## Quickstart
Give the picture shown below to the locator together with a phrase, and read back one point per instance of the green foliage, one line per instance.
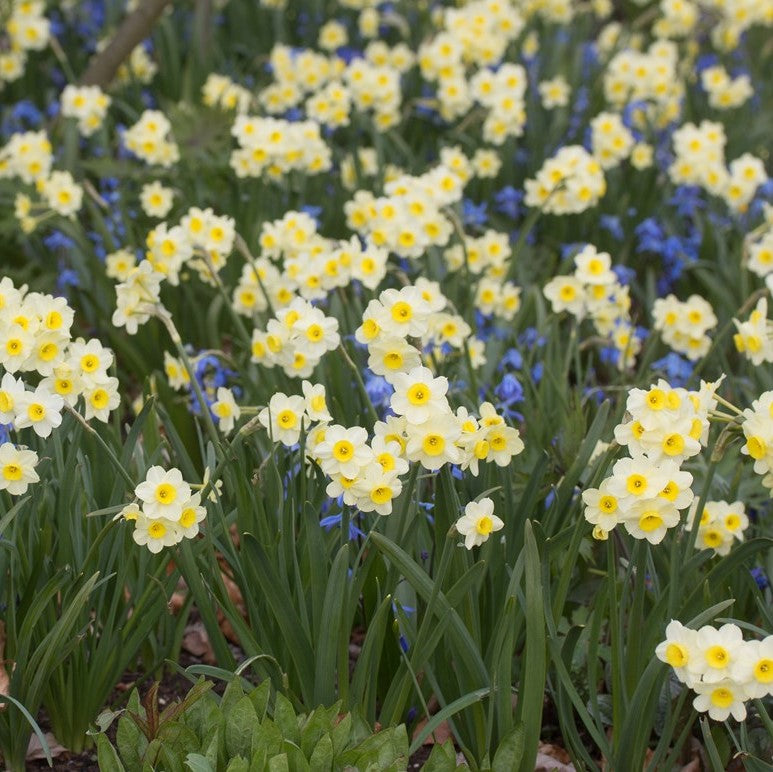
(249, 728)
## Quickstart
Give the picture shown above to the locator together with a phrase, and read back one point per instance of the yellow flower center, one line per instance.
(287, 419)
(188, 517)
(484, 525)
(433, 444)
(763, 671)
(650, 521)
(343, 450)
(419, 394)
(6, 402)
(402, 312)
(156, 530)
(381, 494)
(608, 504)
(100, 398)
(722, 697)
(12, 472)
(89, 363)
(756, 447)
(717, 657)
(393, 360)
(62, 386)
(166, 493)
(732, 521)
(53, 320)
(656, 399)
(315, 333)
(676, 655)
(318, 402)
(36, 412)
(673, 445)
(636, 484)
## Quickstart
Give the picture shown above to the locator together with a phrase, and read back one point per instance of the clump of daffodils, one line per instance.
(594, 292)
(684, 325)
(87, 104)
(478, 523)
(27, 155)
(721, 667)
(166, 510)
(754, 337)
(296, 339)
(646, 492)
(725, 92)
(150, 139)
(757, 429)
(568, 183)
(720, 524)
(220, 91)
(44, 369)
(275, 147)
(26, 29)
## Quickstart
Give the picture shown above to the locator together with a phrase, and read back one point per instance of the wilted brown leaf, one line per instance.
(196, 642)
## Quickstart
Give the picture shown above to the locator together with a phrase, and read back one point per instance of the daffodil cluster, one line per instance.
(87, 104)
(150, 139)
(684, 325)
(26, 29)
(568, 183)
(165, 511)
(275, 147)
(478, 523)
(720, 524)
(593, 291)
(646, 492)
(757, 429)
(754, 337)
(221, 91)
(723, 669)
(700, 160)
(296, 339)
(36, 347)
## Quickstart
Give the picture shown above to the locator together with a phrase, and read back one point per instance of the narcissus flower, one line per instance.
(163, 493)
(17, 469)
(478, 523)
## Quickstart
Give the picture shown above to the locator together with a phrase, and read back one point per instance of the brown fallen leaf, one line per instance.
(5, 680)
(35, 748)
(547, 763)
(440, 735)
(196, 642)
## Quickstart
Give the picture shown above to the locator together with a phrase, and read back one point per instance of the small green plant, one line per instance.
(248, 728)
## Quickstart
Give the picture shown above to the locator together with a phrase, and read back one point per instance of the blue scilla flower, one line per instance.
(511, 358)
(313, 211)
(537, 371)
(474, 215)
(379, 390)
(58, 240)
(509, 389)
(66, 278)
(507, 201)
(570, 248)
(530, 338)
(334, 521)
(760, 577)
(611, 223)
(676, 369)
(625, 275)
(687, 199)
(5, 433)
(26, 112)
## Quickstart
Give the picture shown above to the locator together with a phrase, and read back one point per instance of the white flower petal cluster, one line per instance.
(721, 667)
(684, 325)
(757, 428)
(87, 104)
(594, 292)
(754, 337)
(167, 511)
(150, 139)
(478, 523)
(220, 91)
(296, 339)
(721, 523)
(646, 492)
(568, 183)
